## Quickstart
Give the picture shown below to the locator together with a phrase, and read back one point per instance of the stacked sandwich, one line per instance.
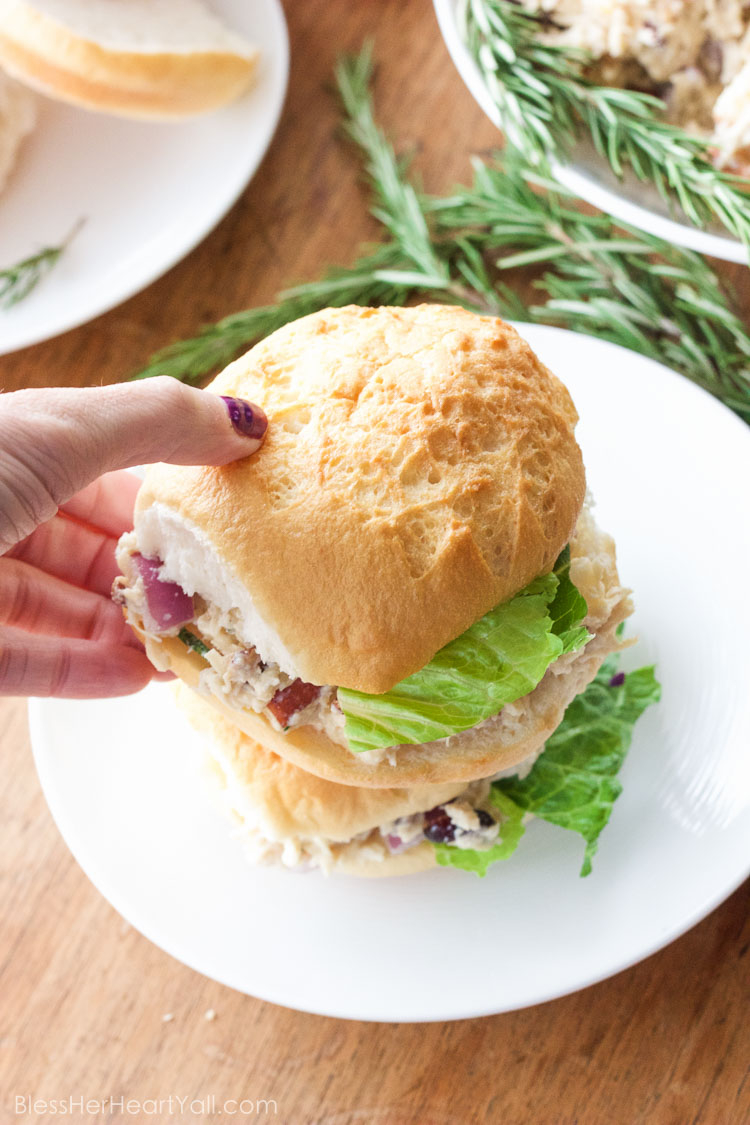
(150, 59)
(385, 615)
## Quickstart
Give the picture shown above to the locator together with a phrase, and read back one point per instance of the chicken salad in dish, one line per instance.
(693, 54)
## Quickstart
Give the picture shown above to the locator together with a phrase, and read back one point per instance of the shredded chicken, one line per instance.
(234, 671)
(695, 54)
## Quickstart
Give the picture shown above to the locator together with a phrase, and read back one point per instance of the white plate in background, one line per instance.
(589, 177)
(668, 466)
(148, 192)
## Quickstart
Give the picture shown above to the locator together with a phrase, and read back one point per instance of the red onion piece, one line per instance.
(167, 603)
(396, 845)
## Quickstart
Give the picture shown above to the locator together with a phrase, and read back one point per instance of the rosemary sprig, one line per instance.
(453, 274)
(606, 280)
(609, 281)
(17, 281)
(396, 204)
(370, 281)
(545, 103)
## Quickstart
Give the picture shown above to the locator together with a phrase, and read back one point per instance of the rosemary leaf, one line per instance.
(396, 204)
(17, 281)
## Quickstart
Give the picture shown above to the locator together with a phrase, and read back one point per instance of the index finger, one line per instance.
(106, 503)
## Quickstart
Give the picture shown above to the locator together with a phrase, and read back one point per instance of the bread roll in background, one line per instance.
(17, 119)
(158, 59)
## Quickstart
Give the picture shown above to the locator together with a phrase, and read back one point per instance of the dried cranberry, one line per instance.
(617, 680)
(486, 820)
(438, 826)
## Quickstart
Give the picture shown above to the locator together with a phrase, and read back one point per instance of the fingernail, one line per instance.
(248, 420)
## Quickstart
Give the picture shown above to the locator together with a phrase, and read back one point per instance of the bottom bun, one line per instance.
(291, 817)
(353, 860)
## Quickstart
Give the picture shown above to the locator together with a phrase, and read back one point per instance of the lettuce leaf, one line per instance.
(574, 782)
(470, 859)
(568, 608)
(500, 658)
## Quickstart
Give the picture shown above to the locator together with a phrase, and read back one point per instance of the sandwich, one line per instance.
(286, 816)
(159, 59)
(404, 587)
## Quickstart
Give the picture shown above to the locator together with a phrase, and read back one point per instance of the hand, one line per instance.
(60, 518)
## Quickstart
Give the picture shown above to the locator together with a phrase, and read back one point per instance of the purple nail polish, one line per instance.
(248, 420)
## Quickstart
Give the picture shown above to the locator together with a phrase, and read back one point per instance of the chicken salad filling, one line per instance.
(234, 670)
(499, 659)
(694, 54)
(468, 821)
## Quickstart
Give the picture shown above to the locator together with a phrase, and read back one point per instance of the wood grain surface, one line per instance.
(83, 995)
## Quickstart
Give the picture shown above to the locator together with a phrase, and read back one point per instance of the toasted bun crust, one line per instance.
(57, 54)
(500, 743)
(420, 467)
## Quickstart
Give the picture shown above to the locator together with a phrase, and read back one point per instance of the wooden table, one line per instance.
(83, 995)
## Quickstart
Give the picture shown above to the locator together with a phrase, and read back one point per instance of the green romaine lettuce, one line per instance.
(574, 782)
(500, 658)
(568, 608)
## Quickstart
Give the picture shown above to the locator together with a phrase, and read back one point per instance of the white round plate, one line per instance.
(589, 177)
(668, 466)
(147, 192)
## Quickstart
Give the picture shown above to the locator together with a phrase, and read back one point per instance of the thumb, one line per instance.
(54, 442)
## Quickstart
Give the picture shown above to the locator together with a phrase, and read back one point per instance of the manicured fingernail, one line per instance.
(248, 420)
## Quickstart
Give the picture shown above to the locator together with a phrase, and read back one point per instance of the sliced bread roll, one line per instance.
(17, 117)
(135, 58)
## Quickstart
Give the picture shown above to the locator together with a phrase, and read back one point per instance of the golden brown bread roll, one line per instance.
(420, 467)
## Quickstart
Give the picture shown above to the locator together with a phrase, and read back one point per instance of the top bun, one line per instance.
(420, 468)
(136, 58)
